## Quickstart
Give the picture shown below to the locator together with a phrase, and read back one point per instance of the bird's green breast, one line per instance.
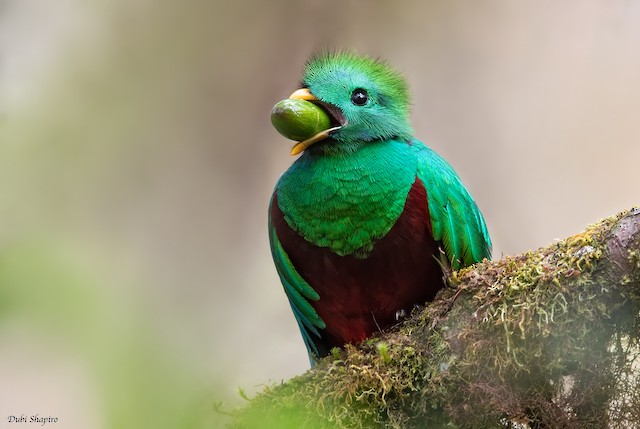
(346, 201)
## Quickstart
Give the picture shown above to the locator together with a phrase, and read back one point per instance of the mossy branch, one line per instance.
(546, 339)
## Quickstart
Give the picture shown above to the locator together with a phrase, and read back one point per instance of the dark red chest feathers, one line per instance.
(360, 296)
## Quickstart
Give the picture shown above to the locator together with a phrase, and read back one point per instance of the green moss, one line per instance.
(383, 349)
(530, 339)
(634, 258)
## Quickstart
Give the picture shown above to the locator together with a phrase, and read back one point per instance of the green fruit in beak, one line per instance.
(299, 119)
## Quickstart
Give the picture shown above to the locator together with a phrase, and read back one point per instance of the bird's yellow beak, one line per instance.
(305, 94)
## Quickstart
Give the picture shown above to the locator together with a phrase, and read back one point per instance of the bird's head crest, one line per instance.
(367, 99)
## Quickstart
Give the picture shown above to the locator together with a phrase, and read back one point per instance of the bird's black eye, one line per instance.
(359, 97)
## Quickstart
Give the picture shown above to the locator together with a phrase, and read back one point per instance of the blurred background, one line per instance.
(137, 160)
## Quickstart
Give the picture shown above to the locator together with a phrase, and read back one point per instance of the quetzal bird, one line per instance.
(359, 224)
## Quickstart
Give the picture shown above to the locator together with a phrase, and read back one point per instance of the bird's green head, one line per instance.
(366, 99)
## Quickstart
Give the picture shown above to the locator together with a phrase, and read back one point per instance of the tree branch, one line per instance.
(543, 339)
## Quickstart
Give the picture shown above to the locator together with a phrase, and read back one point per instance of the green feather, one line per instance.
(298, 291)
(456, 220)
(348, 201)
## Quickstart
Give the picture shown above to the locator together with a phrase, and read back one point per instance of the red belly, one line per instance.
(361, 296)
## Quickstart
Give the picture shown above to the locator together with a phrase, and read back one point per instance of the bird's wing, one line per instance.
(298, 291)
(455, 218)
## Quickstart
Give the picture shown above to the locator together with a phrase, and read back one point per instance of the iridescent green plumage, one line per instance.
(356, 222)
(455, 217)
(328, 75)
(348, 202)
